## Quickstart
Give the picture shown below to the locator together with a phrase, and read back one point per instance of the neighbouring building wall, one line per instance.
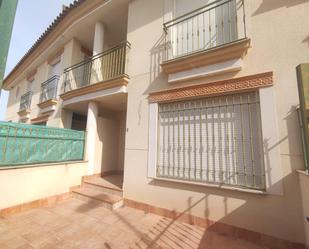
(22, 185)
(304, 186)
(268, 22)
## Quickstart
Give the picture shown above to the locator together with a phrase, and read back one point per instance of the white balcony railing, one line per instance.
(49, 89)
(218, 23)
(25, 101)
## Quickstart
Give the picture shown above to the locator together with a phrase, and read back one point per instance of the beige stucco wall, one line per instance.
(111, 139)
(24, 185)
(279, 44)
(121, 140)
(304, 186)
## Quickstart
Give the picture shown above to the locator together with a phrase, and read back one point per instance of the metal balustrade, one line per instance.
(49, 89)
(25, 101)
(105, 66)
(212, 140)
(218, 23)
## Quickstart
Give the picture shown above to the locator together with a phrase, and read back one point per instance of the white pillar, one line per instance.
(98, 41)
(98, 45)
(92, 131)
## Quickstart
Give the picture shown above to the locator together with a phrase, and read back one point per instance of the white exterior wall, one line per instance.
(38, 182)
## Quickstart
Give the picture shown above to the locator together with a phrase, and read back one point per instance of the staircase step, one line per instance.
(103, 186)
(99, 197)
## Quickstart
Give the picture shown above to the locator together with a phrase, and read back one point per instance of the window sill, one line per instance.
(218, 186)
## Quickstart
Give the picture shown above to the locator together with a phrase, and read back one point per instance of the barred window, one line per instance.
(212, 140)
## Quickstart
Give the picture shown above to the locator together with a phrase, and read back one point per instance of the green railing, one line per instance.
(22, 144)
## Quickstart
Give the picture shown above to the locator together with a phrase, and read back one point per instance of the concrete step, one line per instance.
(102, 185)
(97, 196)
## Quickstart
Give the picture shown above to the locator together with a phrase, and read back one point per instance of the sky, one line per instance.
(31, 20)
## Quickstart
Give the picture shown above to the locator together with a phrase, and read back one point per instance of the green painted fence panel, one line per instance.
(22, 144)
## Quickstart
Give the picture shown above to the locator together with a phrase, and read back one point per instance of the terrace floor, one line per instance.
(79, 224)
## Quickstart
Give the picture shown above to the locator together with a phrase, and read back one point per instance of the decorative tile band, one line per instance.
(214, 88)
(218, 227)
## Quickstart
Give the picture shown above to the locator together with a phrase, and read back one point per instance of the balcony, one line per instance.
(212, 34)
(100, 72)
(25, 105)
(48, 96)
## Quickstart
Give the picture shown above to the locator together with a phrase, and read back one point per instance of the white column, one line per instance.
(98, 45)
(98, 41)
(92, 131)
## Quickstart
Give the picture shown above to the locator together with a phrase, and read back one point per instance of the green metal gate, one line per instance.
(22, 144)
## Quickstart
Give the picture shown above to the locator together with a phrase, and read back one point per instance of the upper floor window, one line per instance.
(54, 68)
(30, 85)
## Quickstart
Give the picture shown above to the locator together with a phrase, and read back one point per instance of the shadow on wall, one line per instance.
(236, 208)
(258, 207)
(269, 5)
(306, 40)
(158, 79)
(157, 56)
(172, 233)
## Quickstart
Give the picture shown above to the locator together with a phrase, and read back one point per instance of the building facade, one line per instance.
(194, 102)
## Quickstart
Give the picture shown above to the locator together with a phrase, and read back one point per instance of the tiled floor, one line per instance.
(78, 224)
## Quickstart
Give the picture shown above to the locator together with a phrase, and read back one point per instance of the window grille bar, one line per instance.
(213, 143)
(207, 148)
(259, 139)
(201, 144)
(212, 140)
(251, 142)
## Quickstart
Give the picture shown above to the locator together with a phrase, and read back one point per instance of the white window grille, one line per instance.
(212, 140)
